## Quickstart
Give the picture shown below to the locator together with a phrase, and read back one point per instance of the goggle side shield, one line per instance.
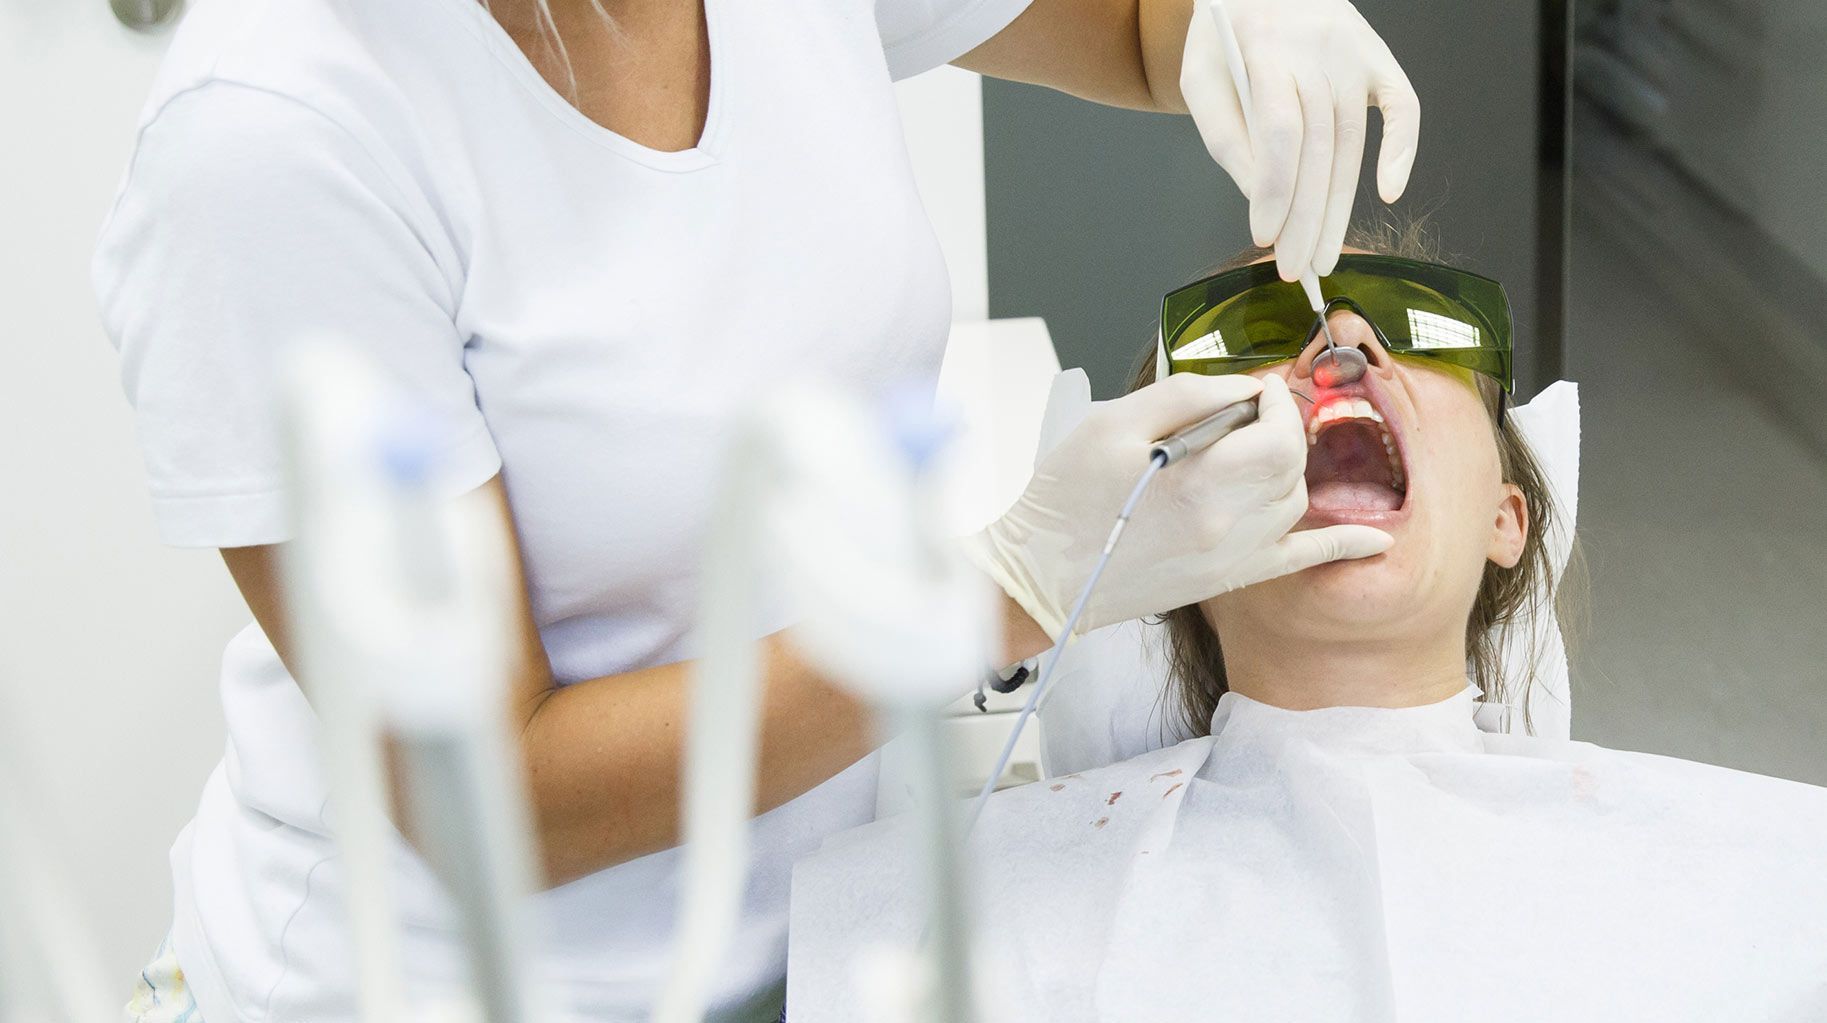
(1249, 317)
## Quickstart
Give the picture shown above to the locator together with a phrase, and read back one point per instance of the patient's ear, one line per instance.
(1510, 529)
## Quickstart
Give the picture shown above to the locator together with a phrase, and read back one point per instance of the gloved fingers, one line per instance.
(1282, 457)
(1211, 97)
(1349, 117)
(1275, 409)
(1295, 491)
(1227, 532)
(1285, 511)
(1313, 180)
(1181, 400)
(1311, 547)
(1297, 552)
(1275, 140)
(1248, 550)
(1395, 97)
(1268, 455)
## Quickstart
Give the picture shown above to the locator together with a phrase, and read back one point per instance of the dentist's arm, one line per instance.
(1314, 66)
(603, 756)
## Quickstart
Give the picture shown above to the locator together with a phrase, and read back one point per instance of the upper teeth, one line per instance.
(1342, 408)
(1356, 408)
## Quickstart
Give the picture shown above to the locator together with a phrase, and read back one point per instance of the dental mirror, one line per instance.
(1336, 367)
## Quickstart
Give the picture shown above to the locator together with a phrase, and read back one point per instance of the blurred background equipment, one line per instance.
(146, 15)
(846, 507)
(400, 610)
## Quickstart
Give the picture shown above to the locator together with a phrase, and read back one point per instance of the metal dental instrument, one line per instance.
(1204, 433)
(1335, 366)
(1210, 430)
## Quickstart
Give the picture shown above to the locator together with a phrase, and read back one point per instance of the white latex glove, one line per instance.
(1314, 69)
(1214, 522)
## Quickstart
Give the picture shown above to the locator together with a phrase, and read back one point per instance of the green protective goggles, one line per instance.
(1242, 319)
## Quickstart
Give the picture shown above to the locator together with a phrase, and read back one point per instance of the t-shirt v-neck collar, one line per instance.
(475, 18)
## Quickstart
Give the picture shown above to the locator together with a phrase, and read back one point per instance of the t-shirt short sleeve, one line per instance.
(919, 35)
(250, 222)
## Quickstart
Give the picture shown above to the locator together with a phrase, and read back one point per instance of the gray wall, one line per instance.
(1094, 213)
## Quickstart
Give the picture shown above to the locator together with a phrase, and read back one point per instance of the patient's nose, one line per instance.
(1350, 331)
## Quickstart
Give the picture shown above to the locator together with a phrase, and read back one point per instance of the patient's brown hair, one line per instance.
(1195, 656)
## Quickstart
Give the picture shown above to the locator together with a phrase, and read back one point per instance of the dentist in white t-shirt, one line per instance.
(582, 236)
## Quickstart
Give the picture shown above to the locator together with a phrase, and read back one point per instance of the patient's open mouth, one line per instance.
(1353, 460)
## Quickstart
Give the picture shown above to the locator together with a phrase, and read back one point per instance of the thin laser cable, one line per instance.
(1045, 677)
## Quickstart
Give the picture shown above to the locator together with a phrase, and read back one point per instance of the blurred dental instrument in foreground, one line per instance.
(1295, 143)
(838, 502)
(398, 608)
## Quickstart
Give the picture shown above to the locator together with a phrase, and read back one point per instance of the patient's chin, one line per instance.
(1369, 589)
(1358, 595)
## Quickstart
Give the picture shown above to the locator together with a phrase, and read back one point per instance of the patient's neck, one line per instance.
(1303, 672)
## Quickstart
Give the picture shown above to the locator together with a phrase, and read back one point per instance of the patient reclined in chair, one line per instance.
(1338, 839)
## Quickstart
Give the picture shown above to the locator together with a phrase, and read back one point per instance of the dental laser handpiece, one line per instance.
(1204, 433)
(1210, 430)
(1189, 441)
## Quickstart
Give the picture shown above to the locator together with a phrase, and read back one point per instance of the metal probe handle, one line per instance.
(1204, 433)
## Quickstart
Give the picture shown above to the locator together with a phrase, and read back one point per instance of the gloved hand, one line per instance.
(1314, 68)
(1214, 522)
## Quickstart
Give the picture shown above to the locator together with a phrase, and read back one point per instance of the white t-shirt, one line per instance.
(581, 313)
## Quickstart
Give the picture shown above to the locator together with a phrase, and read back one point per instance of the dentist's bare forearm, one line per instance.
(1122, 53)
(603, 757)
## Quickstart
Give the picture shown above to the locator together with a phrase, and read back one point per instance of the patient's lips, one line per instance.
(1355, 469)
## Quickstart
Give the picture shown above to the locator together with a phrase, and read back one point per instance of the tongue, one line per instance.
(1348, 469)
(1353, 497)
